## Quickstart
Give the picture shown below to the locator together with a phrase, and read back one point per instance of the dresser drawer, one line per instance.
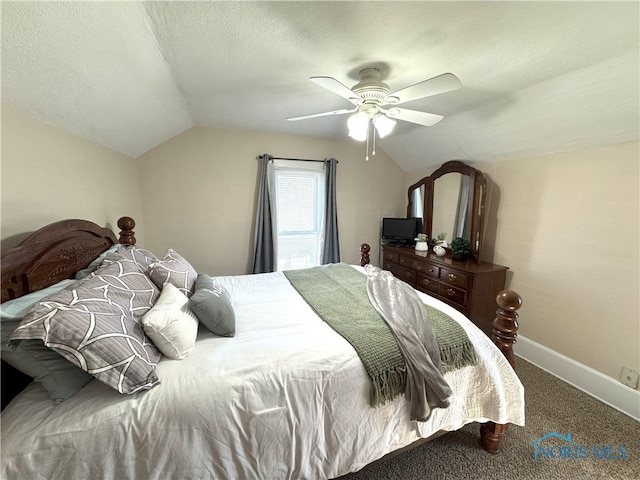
(431, 270)
(453, 294)
(427, 284)
(405, 261)
(403, 273)
(413, 264)
(454, 278)
(391, 257)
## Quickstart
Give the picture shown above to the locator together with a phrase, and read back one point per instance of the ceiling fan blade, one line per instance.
(338, 88)
(413, 116)
(323, 114)
(440, 84)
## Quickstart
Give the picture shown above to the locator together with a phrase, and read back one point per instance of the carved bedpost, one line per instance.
(505, 325)
(364, 254)
(127, 235)
(505, 331)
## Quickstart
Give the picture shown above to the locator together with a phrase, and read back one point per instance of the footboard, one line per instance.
(505, 328)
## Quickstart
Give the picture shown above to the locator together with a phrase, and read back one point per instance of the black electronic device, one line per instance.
(401, 231)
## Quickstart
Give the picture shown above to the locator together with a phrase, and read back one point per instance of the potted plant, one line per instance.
(442, 239)
(421, 242)
(460, 248)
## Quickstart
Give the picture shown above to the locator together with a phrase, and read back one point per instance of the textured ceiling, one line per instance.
(537, 77)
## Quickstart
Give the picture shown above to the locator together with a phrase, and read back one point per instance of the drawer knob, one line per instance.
(452, 277)
(431, 270)
(407, 274)
(425, 281)
(451, 292)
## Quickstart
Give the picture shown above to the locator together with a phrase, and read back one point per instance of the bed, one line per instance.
(285, 397)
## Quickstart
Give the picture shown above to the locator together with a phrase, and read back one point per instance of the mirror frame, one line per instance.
(475, 206)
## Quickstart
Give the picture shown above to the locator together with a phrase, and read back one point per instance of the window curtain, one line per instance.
(331, 242)
(266, 244)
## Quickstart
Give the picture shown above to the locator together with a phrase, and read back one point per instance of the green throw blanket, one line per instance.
(338, 294)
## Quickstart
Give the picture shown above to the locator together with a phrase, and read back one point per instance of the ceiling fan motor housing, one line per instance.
(370, 88)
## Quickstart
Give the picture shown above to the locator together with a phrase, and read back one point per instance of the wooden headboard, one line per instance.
(57, 252)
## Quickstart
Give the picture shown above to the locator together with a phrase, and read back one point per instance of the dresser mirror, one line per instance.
(451, 201)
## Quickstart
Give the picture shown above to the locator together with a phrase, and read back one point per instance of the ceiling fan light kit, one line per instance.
(370, 94)
(358, 125)
(384, 125)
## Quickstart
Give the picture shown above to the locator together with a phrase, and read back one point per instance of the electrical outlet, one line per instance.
(629, 377)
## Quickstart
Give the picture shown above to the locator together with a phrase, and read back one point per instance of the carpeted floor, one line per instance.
(551, 406)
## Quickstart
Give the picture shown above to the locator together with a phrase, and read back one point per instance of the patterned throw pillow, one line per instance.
(142, 257)
(175, 270)
(212, 305)
(96, 325)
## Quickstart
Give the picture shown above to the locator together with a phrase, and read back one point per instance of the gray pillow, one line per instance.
(212, 305)
(176, 270)
(59, 377)
(96, 325)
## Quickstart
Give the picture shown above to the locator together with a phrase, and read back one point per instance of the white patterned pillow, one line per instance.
(96, 325)
(176, 270)
(171, 324)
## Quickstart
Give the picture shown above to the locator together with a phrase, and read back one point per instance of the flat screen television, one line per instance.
(401, 231)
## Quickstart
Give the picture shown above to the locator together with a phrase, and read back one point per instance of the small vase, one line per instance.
(422, 246)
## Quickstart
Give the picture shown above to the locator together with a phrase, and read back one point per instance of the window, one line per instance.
(300, 197)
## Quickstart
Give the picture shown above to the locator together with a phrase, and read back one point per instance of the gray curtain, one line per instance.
(331, 246)
(265, 256)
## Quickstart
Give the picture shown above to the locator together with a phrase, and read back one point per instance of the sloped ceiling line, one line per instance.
(537, 77)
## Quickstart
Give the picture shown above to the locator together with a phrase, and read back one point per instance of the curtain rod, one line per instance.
(293, 159)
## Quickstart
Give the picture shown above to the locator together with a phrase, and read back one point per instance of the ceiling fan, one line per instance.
(370, 95)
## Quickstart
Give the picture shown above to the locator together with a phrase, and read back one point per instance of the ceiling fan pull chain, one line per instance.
(366, 158)
(373, 150)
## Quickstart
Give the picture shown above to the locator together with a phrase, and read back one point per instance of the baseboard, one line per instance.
(596, 384)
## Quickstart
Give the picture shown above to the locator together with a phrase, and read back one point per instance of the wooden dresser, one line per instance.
(467, 286)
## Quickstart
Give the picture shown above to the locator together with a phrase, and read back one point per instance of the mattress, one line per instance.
(286, 398)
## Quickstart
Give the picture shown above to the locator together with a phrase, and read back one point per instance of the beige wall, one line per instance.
(199, 193)
(567, 225)
(49, 174)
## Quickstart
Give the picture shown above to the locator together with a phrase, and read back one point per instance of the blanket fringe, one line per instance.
(457, 356)
(387, 384)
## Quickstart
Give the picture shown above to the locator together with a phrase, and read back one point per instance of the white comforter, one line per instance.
(287, 397)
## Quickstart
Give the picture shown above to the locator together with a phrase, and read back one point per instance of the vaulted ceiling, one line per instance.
(537, 77)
